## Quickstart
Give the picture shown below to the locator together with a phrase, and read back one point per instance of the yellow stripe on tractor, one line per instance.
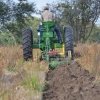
(60, 51)
(36, 54)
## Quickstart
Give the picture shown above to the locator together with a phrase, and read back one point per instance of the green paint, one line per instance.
(54, 64)
(48, 41)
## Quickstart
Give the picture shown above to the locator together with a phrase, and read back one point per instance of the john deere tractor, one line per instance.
(47, 46)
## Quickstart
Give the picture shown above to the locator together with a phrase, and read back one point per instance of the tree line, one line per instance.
(80, 14)
(13, 17)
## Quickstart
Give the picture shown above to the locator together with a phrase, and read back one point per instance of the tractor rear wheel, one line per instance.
(69, 42)
(27, 41)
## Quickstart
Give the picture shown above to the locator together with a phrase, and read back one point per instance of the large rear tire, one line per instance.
(27, 41)
(69, 42)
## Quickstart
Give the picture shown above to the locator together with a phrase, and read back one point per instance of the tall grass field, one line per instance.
(20, 80)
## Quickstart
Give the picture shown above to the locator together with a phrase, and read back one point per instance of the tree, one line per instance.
(11, 11)
(15, 32)
(95, 35)
(7, 39)
(80, 14)
(13, 16)
(4, 12)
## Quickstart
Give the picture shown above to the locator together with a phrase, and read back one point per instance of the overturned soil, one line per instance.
(71, 82)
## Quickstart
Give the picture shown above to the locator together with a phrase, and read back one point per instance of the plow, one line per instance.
(47, 47)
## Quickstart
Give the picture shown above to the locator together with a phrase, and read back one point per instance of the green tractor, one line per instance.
(48, 47)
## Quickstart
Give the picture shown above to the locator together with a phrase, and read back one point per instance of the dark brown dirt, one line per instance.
(71, 82)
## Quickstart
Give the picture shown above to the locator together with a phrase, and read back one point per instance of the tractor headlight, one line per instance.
(39, 33)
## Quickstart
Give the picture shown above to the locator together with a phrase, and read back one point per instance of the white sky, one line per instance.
(41, 3)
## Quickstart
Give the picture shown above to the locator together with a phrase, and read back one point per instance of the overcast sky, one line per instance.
(41, 3)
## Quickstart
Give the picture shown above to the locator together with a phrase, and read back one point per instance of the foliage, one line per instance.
(11, 11)
(80, 14)
(7, 39)
(13, 18)
(15, 35)
(16, 30)
(95, 35)
(4, 12)
(32, 82)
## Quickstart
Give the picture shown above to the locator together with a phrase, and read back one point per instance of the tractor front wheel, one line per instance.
(69, 42)
(27, 41)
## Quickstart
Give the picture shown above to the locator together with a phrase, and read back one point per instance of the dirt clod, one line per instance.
(71, 82)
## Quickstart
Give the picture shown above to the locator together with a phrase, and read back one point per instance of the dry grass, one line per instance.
(89, 57)
(20, 80)
(10, 56)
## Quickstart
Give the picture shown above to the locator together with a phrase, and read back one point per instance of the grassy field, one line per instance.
(21, 80)
(88, 55)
